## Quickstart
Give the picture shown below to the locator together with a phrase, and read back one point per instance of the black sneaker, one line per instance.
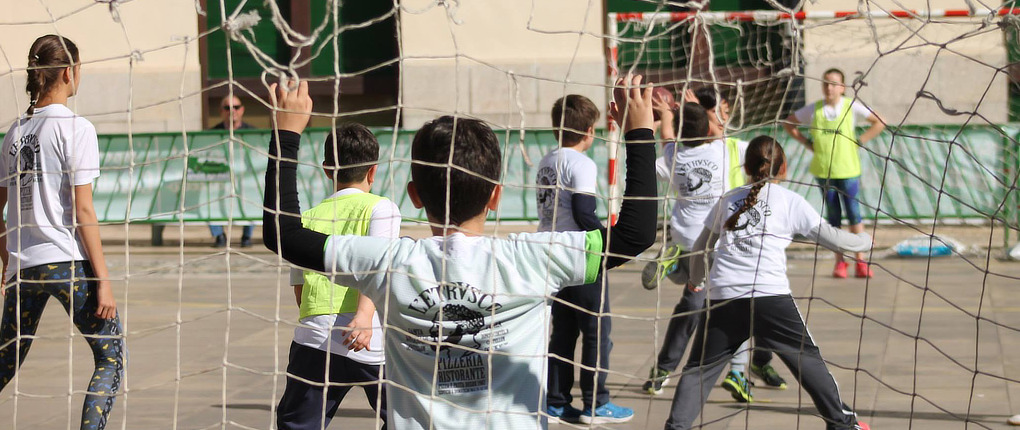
(657, 378)
(221, 241)
(245, 242)
(769, 376)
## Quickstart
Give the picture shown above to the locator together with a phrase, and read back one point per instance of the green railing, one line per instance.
(912, 173)
(166, 177)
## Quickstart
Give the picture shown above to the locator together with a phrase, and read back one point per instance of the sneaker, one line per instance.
(861, 425)
(657, 378)
(245, 242)
(655, 271)
(567, 414)
(736, 384)
(863, 270)
(769, 376)
(607, 414)
(840, 270)
(221, 241)
(1014, 420)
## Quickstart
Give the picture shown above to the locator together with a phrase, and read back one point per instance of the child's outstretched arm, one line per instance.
(839, 240)
(636, 228)
(282, 208)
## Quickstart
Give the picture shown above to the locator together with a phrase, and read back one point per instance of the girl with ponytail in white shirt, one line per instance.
(749, 292)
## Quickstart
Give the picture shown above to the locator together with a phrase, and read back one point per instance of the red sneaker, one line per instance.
(861, 425)
(863, 270)
(840, 270)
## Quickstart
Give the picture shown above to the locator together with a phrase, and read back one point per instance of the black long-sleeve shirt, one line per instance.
(633, 233)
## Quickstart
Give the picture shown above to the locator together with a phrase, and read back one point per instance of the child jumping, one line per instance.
(336, 320)
(50, 243)
(464, 311)
(702, 171)
(748, 288)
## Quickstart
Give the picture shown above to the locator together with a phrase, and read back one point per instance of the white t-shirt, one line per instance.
(700, 178)
(486, 300)
(561, 173)
(751, 259)
(806, 113)
(44, 158)
(317, 331)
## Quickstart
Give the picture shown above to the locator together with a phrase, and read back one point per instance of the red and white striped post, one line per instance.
(613, 135)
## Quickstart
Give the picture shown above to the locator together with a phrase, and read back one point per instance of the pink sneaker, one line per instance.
(861, 425)
(863, 270)
(840, 270)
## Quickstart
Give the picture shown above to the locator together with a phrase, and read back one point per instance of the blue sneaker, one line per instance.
(567, 414)
(607, 414)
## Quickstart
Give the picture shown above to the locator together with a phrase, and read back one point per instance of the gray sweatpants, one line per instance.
(776, 325)
(687, 314)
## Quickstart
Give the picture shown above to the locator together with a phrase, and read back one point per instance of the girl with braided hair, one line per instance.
(749, 293)
(50, 244)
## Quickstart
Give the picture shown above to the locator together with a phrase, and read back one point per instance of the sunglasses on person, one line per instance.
(233, 107)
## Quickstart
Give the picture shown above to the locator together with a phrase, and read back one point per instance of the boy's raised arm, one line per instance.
(636, 228)
(282, 209)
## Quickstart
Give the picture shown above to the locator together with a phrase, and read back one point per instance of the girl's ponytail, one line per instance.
(47, 59)
(764, 160)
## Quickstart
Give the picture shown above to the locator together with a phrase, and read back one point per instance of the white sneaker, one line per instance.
(1014, 420)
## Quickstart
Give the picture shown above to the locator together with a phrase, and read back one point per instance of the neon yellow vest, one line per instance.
(350, 215)
(835, 144)
(736, 170)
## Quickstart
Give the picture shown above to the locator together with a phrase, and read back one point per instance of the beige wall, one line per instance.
(159, 88)
(962, 76)
(505, 62)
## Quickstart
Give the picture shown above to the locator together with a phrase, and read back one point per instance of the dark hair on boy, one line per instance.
(693, 125)
(47, 59)
(350, 150)
(572, 116)
(764, 160)
(468, 178)
(706, 97)
(842, 77)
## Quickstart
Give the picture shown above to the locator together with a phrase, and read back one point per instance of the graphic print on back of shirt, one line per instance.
(458, 334)
(546, 192)
(749, 225)
(695, 180)
(27, 167)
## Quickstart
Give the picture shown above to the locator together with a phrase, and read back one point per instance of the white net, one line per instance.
(924, 343)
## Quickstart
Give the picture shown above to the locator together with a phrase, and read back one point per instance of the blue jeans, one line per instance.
(567, 324)
(836, 191)
(217, 230)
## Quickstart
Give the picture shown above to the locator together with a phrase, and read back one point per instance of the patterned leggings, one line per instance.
(78, 297)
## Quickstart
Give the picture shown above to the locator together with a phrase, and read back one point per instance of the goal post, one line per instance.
(930, 73)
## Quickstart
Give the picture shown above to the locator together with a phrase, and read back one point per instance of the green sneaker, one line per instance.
(769, 376)
(737, 384)
(655, 271)
(657, 378)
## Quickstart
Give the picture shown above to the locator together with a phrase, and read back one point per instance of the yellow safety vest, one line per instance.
(736, 175)
(349, 215)
(835, 144)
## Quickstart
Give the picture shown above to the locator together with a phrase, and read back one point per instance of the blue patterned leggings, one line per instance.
(78, 297)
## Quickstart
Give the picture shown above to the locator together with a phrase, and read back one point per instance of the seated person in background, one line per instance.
(232, 113)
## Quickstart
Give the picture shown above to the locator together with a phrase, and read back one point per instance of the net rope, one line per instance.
(954, 172)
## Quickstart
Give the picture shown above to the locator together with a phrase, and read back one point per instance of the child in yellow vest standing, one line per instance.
(340, 339)
(836, 164)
